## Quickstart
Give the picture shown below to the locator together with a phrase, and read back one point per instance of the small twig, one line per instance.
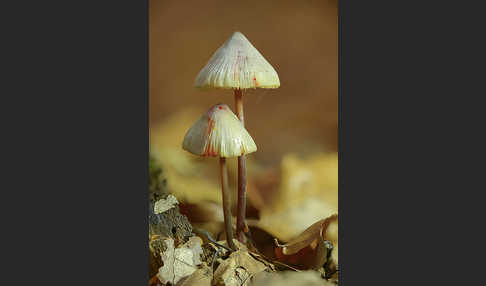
(212, 240)
(249, 239)
(220, 245)
(275, 261)
(216, 254)
(285, 265)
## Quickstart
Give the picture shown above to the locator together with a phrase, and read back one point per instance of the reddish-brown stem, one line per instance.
(226, 203)
(241, 211)
(239, 105)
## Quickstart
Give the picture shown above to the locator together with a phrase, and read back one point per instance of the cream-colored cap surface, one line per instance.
(237, 64)
(218, 133)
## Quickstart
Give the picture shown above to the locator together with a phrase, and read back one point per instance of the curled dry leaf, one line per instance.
(180, 262)
(309, 236)
(308, 250)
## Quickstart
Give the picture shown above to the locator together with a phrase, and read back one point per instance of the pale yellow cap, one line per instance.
(218, 133)
(237, 64)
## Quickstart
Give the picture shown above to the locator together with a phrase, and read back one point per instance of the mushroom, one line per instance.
(219, 133)
(238, 65)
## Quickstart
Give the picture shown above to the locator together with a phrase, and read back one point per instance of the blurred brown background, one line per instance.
(300, 40)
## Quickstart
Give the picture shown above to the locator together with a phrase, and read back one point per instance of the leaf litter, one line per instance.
(180, 262)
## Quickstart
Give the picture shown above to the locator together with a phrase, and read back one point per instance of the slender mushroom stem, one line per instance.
(241, 211)
(226, 203)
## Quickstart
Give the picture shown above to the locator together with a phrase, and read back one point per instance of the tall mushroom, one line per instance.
(219, 133)
(238, 65)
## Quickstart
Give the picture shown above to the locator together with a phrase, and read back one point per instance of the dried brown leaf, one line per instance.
(166, 204)
(238, 269)
(179, 262)
(309, 236)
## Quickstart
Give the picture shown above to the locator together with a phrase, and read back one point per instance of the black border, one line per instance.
(75, 177)
(407, 143)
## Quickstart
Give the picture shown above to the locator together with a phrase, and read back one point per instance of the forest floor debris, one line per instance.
(293, 229)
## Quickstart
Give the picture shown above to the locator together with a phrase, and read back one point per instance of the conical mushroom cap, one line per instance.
(218, 133)
(237, 64)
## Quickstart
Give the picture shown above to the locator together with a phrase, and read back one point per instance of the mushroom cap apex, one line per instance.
(237, 64)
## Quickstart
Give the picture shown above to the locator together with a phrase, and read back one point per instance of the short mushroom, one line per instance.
(238, 65)
(219, 133)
